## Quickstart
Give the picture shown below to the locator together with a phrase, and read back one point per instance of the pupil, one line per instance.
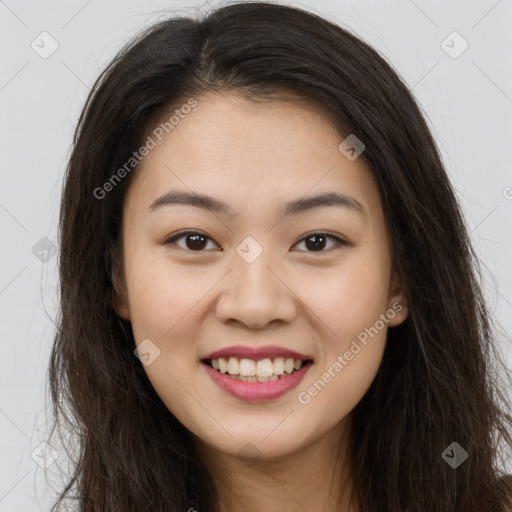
(317, 244)
(196, 246)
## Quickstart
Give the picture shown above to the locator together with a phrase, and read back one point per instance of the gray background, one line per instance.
(467, 101)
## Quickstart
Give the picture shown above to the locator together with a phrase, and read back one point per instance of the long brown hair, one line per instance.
(441, 380)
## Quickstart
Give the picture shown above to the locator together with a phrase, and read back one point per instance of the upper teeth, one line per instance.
(262, 368)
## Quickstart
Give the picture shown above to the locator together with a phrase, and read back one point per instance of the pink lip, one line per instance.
(257, 391)
(242, 351)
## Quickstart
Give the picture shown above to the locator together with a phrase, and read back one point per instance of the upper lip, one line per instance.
(245, 352)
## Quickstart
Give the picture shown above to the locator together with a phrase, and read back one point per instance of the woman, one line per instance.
(269, 299)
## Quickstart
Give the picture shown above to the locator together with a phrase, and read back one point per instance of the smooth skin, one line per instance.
(312, 298)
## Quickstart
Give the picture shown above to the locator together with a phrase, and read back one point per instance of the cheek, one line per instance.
(352, 315)
(163, 299)
(349, 297)
(161, 295)
(165, 303)
(353, 342)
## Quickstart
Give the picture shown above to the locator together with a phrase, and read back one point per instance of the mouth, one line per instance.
(261, 370)
(256, 380)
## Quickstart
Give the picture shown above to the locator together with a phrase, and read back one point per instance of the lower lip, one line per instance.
(257, 391)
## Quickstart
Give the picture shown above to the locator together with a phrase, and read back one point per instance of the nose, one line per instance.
(256, 294)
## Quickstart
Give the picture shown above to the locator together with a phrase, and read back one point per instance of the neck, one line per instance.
(315, 477)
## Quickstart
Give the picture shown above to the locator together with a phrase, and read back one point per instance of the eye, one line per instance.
(197, 241)
(317, 241)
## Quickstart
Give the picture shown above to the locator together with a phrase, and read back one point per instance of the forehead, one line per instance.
(251, 154)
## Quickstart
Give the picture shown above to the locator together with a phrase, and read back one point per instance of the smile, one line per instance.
(249, 370)
(256, 380)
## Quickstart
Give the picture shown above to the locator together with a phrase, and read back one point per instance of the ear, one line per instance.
(119, 293)
(398, 304)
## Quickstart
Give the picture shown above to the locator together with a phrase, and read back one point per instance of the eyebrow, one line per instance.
(295, 207)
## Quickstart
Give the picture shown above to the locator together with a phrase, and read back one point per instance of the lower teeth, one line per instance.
(257, 379)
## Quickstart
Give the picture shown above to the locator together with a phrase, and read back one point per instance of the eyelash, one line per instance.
(182, 234)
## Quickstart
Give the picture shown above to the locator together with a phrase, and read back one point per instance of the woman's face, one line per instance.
(259, 274)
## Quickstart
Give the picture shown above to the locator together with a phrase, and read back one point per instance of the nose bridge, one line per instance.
(256, 294)
(251, 271)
